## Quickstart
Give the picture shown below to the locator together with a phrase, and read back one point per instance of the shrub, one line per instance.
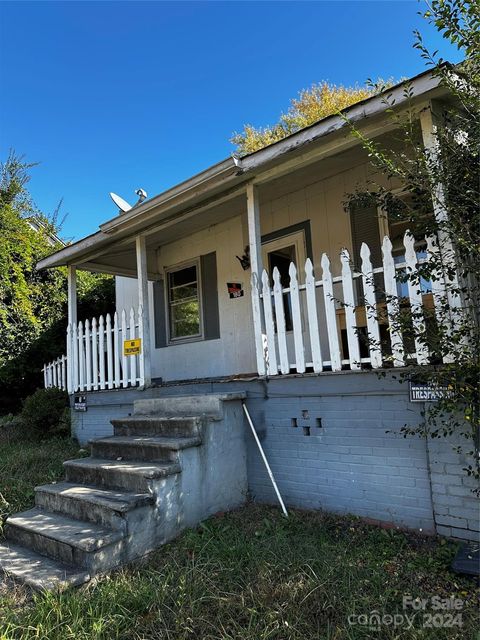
(11, 428)
(46, 412)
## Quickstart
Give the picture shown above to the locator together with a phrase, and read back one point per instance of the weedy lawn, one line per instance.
(24, 464)
(253, 575)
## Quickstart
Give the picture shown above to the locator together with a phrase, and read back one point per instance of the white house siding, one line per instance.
(320, 202)
(234, 351)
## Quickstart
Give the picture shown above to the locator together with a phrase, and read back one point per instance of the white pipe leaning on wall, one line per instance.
(262, 453)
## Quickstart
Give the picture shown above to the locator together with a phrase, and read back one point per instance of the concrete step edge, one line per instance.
(37, 571)
(156, 469)
(158, 442)
(86, 536)
(149, 417)
(98, 496)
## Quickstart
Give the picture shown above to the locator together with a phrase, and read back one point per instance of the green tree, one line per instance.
(313, 104)
(444, 178)
(33, 303)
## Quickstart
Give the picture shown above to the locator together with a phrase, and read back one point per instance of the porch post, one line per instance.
(255, 240)
(72, 320)
(143, 302)
(430, 142)
(428, 126)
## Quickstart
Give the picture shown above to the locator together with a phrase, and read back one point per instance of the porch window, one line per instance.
(184, 302)
(397, 226)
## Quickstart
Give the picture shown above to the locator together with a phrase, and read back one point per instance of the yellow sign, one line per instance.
(132, 347)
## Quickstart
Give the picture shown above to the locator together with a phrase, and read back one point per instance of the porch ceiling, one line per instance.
(119, 258)
(118, 255)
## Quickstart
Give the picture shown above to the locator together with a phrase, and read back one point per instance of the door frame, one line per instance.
(286, 231)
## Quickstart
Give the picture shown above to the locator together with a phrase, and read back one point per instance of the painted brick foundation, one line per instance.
(332, 441)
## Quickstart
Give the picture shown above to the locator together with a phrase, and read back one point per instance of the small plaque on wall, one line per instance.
(80, 402)
(235, 289)
(428, 392)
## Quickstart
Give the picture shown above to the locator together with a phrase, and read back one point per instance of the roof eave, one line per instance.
(228, 170)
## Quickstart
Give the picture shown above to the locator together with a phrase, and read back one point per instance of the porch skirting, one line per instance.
(333, 443)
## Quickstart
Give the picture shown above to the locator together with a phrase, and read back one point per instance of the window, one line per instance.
(396, 231)
(368, 226)
(365, 227)
(184, 303)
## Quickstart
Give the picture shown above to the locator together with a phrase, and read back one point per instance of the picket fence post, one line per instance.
(330, 315)
(373, 330)
(312, 314)
(297, 320)
(393, 308)
(349, 306)
(272, 367)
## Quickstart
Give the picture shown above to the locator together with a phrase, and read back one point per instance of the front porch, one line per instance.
(320, 322)
(318, 289)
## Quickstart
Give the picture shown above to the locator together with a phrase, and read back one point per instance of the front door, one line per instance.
(280, 253)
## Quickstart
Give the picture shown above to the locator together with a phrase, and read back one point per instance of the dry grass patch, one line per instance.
(252, 575)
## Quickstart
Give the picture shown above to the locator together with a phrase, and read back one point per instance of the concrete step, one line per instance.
(208, 405)
(75, 543)
(144, 425)
(106, 507)
(145, 448)
(37, 571)
(128, 475)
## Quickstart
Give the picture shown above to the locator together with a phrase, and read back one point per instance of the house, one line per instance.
(39, 225)
(249, 284)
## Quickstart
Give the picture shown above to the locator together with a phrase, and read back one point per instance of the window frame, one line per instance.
(195, 262)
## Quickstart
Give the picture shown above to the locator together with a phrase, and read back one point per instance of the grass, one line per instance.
(24, 464)
(252, 575)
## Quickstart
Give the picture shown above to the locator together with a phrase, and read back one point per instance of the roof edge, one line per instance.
(250, 163)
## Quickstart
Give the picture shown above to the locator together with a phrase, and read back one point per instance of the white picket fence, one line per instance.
(316, 306)
(55, 373)
(95, 355)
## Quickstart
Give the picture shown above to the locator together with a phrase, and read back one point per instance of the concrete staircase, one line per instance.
(174, 462)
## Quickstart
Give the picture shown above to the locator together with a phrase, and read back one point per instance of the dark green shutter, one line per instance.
(211, 320)
(159, 314)
(364, 225)
(365, 228)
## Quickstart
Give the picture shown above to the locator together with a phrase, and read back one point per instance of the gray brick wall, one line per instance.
(102, 406)
(455, 502)
(348, 463)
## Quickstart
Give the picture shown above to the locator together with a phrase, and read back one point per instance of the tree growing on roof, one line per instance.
(33, 303)
(319, 101)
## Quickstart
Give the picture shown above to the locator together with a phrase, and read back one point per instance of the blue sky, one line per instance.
(118, 95)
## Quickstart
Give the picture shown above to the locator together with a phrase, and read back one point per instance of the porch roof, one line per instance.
(197, 202)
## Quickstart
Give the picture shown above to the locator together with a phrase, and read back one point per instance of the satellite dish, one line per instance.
(121, 203)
